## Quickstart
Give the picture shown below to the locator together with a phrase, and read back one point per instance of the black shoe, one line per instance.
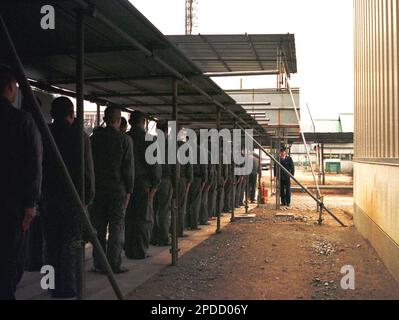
(120, 270)
(96, 270)
(183, 235)
(205, 224)
(196, 229)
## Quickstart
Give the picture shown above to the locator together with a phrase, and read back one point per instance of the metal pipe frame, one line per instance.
(219, 173)
(259, 178)
(175, 211)
(241, 73)
(233, 183)
(303, 135)
(150, 54)
(279, 165)
(49, 140)
(80, 45)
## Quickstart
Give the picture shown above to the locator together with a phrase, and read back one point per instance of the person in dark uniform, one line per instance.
(253, 179)
(204, 213)
(163, 198)
(285, 180)
(60, 217)
(228, 188)
(185, 180)
(239, 184)
(20, 181)
(140, 213)
(212, 193)
(200, 173)
(114, 170)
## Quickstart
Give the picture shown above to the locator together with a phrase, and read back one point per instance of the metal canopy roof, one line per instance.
(328, 137)
(235, 53)
(116, 72)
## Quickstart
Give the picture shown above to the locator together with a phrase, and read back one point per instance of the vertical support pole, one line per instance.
(219, 173)
(271, 169)
(323, 172)
(175, 211)
(80, 45)
(98, 117)
(321, 206)
(278, 174)
(233, 177)
(246, 194)
(259, 178)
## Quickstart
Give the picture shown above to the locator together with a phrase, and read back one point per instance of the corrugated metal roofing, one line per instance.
(116, 72)
(234, 52)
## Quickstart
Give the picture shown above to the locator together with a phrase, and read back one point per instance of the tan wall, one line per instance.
(376, 193)
(376, 167)
(376, 79)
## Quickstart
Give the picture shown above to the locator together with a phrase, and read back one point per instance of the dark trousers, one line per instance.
(162, 208)
(60, 251)
(212, 196)
(228, 196)
(139, 222)
(220, 197)
(182, 218)
(11, 250)
(107, 214)
(194, 202)
(239, 187)
(34, 246)
(203, 216)
(285, 192)
(252, 186)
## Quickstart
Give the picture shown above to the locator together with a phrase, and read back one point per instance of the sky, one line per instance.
(324, 42)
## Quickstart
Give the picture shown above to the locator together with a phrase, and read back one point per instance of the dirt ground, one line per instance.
(271, 257)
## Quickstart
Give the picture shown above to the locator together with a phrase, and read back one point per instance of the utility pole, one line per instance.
(190, 15)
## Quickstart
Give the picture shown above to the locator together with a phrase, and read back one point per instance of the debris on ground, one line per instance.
(323, 248)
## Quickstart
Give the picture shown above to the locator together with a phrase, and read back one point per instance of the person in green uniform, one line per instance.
(140, 213)
(114, 170)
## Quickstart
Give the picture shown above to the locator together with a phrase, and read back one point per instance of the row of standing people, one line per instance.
(120, 192)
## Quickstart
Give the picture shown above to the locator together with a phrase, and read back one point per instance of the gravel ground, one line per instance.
(269, 257)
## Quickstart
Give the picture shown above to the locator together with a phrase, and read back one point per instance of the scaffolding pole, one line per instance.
(49, 140)
(175, 210)
(303, 138)
(233, 183)
(80, 60)
(219, 173)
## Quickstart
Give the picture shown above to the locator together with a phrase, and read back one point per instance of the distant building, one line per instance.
(338, 156)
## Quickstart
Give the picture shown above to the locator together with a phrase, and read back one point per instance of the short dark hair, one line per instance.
(283, 149)
(123, 122)
(111, 114)
(7, 75)
(162, 125)
(61, 107)
(136, 117)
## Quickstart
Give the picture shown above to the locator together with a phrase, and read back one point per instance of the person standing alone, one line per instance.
(285, 180)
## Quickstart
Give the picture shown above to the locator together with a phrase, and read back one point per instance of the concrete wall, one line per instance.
(376, 193)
